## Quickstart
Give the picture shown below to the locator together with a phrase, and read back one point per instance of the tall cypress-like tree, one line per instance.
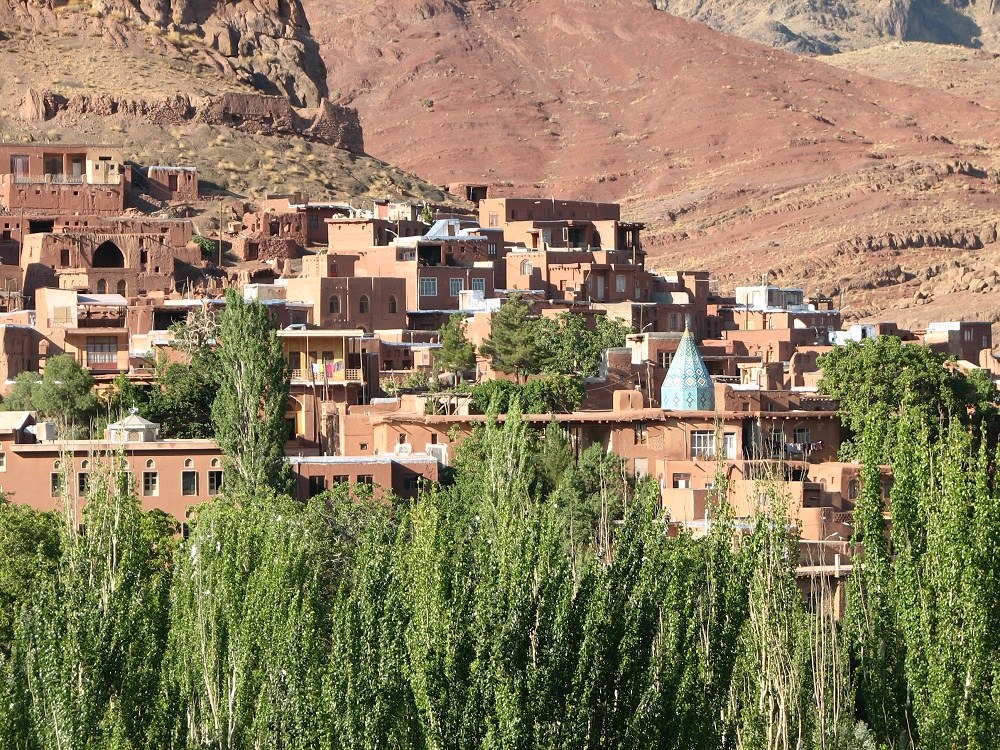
(249, 410)
(871, 620)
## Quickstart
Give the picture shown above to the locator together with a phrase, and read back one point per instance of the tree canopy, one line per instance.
(536, 600)
(524, 344)
(568, 347)
(64, 393)
(879, 378)
(539, 395)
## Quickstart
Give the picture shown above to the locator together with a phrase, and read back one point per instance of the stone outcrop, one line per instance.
(335, 123)
(259, 114)
(264, 43)
(961, 239)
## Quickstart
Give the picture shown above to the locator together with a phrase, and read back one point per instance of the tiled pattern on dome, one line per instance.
(687, 385)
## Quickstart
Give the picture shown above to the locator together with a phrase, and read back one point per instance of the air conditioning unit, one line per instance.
(438, 451)
(45, 432)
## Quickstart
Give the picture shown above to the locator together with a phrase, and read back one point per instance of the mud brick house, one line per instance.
(315, 214)
(54, 179)
(964, 340)
(437, 266)
(171, 184)
(327, 367)
(370, 303)
(354, 233)
(544, 223)
(19, 348)
(92, 328)
(123, 257)
(402, 472)
(38, 469)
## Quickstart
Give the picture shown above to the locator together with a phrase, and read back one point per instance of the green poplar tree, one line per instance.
(245, 657)
(88, 646)
(249, 409)
(871, 623)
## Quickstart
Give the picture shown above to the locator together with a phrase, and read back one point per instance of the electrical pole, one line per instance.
(221, 205)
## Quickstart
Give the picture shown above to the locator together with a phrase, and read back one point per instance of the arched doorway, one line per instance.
(107, 255)
(295, 418)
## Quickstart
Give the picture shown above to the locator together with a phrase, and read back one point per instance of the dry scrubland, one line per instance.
(242, 163)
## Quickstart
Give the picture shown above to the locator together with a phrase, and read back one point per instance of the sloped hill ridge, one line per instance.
(831, 26)
(740, 158)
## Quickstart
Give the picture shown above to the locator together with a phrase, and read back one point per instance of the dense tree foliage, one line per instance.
(541, 395)
(538, 599)
(63, 394)
(877, 379)
(513, 345)
(523, 344)
(568, 347)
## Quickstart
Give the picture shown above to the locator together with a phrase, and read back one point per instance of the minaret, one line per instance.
(687, 385)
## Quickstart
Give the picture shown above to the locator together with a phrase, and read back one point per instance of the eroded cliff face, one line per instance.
(830, 26)
(263, 43)
(255, 114)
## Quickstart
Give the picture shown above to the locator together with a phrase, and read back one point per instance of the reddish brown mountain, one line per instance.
(741, 157)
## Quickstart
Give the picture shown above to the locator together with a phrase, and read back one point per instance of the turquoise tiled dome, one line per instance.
(687, 385)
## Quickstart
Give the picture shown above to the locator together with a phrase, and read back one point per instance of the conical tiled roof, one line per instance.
(687, 385)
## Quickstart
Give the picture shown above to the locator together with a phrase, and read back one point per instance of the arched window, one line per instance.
(102, 286)
(123, 288)
(526, 268)
(150, 464)
(188, 463)
(364, 305)
(107, 255)
(392, 303)
(334, 306)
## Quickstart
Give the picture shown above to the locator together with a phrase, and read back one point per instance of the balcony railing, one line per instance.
(49, 179)
(109, 322)
(341, 376)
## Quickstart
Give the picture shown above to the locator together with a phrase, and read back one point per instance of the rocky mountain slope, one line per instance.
(234, 88)
(740, 158)
(265, 44)
(828, 26)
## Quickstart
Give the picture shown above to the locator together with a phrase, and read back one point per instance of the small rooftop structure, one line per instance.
(132, 429)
